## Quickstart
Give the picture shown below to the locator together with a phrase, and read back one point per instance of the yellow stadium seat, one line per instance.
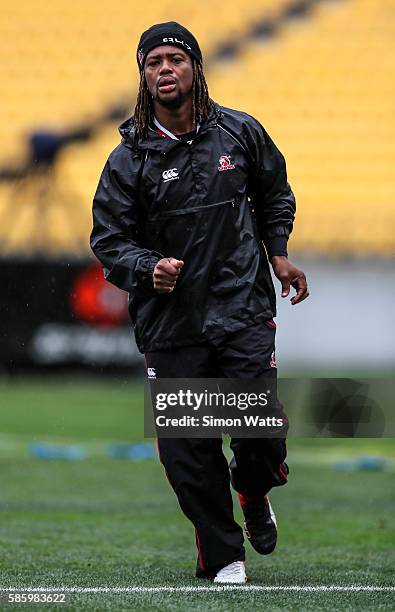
(323, 88)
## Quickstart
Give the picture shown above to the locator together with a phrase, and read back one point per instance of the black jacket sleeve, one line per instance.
(272, 197)
(116, 224)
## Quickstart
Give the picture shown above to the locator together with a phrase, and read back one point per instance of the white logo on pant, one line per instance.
(273, 360)
(151, 373)
(170, 175)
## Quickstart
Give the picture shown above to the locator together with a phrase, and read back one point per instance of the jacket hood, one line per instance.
(127, 130)
(152, 141)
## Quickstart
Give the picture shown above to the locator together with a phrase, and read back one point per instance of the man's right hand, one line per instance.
(166, 273)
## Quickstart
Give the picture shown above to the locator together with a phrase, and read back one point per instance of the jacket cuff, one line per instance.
(144, 271)
(277, 245)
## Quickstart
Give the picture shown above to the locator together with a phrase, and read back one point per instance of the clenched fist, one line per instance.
(166, 273)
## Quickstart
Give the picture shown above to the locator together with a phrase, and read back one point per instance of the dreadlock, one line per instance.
(201, 102)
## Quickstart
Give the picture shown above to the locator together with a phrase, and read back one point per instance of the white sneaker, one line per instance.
(234, 573)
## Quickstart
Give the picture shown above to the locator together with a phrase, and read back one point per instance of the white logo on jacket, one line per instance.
(151, 372)
(170, 175)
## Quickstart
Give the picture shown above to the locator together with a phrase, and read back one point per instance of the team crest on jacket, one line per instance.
(225, 163)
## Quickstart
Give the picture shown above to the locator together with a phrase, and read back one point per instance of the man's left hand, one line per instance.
(289, 275)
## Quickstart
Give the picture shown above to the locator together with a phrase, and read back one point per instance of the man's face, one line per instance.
(169, 74)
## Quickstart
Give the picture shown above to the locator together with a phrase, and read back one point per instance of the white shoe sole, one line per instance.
(240, 579)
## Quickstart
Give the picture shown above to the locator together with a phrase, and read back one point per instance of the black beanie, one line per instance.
(169, 33)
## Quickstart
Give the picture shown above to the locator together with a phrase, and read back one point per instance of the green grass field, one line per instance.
(111, 523)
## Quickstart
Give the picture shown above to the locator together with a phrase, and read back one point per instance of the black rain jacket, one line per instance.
(212, 202)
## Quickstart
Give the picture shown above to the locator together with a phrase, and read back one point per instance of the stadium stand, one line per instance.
(62, 65)
(321, 85)
(63, 61)
(324, 88)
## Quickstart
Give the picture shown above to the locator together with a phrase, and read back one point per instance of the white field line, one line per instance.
(199, 589)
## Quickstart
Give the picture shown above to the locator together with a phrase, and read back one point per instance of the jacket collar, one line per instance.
(157, 143)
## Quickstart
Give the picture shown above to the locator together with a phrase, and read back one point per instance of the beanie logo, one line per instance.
(175, 40)
(140, 56)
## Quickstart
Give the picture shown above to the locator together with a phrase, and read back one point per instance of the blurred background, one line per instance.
(318, 74)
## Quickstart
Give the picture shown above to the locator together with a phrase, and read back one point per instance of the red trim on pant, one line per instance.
(244, 499)
(282, 474)
(200, 551)
(169, 481)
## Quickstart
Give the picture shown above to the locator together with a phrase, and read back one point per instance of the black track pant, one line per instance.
(197, 468)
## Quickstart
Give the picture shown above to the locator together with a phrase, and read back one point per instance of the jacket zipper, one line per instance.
(185, 211)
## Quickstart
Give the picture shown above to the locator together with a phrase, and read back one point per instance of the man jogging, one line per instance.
(189, 210)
